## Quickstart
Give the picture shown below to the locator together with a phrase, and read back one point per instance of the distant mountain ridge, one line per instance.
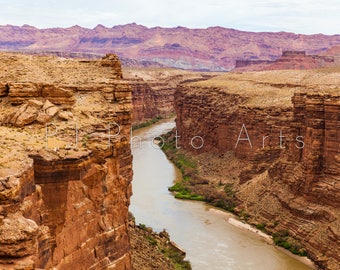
(211, 49)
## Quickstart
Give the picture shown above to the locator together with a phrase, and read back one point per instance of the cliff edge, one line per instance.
(65, 163)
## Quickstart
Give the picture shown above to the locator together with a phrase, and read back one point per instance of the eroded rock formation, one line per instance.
(275, 137)
(65, 176)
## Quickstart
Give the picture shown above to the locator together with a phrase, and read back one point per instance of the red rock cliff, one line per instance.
(153, 90)
(283, 130)
(65, 164)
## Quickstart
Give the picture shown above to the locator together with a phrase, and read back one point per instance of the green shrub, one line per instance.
(151, 240)
(282, 239)
(182, 192)
(178, 187)
(142, 226)
(177, 258)
(261, 226)
(189, 196)
(224, 204)
(147, 123)
(229, 190)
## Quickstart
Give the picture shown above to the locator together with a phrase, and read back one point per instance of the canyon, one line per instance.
(65, 176)
(153, 91)
(210, 49)
(266, 145)
(269, 139)
(66, 163)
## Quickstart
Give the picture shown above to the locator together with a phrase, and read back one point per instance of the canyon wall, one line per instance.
(274, 136)
(66, 164)
(153, 90)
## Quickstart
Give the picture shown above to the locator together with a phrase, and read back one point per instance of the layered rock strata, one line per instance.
(153, 90)
(274, 136)
(292, 60)
(65, 176)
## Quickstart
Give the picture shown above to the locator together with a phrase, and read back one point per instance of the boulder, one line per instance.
(24, 116)
(47, 104)
(43, 118)
(27, 117)
(35, 103)
(18, 236)
(50, 109)
(64, 115)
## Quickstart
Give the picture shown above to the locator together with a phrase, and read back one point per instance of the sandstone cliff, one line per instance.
(214, 48)
(153, 90)
(272, 138)
(65, 176)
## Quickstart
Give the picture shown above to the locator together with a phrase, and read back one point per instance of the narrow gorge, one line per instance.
(271, 139)
(153, 91)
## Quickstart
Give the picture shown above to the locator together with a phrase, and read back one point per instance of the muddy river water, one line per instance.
(211, 243)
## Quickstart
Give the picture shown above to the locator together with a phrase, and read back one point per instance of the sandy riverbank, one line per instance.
(221, 213)
(245, 226)
(231, 219)
(239, 224)
(304, 260)
(268, 239)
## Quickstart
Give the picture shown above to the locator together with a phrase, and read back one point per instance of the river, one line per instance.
(210, 242)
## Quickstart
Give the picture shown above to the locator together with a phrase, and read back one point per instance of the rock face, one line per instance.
(214, 48)
(283, 127)
(66, 164)
(153, 90)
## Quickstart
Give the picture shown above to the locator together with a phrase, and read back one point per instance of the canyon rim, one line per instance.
(64, 207)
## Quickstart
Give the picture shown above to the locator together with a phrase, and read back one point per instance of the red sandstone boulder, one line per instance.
(24, 116)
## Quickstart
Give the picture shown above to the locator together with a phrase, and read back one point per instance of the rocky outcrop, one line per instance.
(34, 110)
(158, 252)
(273, 136)
(213, 49)
(19, 92)
(66, 164)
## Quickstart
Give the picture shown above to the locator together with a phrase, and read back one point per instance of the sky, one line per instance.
(298, 16)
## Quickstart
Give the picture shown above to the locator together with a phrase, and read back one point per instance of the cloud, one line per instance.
(304, 16)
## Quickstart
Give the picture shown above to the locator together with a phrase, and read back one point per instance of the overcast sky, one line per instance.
(299, 16)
